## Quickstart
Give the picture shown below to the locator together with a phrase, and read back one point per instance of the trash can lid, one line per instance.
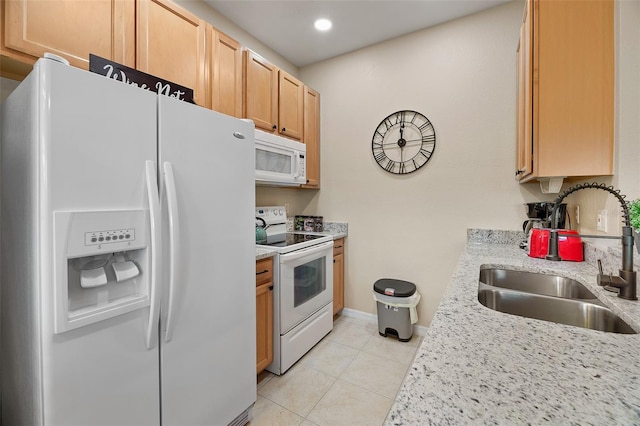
(395, 288)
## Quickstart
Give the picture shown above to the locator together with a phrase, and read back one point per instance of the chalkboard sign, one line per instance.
(139, 79)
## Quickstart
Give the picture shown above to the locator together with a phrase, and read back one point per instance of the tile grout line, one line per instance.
(371, 333)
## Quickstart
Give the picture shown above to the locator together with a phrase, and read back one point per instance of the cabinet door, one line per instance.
(260, 92)
(264, 326)
(573, 88)
(72, 29)
(338, 275)
(290, 106)
(170, 45)
(312, 136)
(524, 116)
(264, 271)
(225, 75)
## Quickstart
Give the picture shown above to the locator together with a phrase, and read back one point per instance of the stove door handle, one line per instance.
(306, 252)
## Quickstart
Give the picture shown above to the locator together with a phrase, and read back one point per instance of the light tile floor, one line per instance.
(350, 378)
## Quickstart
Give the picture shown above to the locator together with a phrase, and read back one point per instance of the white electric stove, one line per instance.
(303, 288)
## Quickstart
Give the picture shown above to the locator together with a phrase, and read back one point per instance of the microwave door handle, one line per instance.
(297, 165)
(305, 252)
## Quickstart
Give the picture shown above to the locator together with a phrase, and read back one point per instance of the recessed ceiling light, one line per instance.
(322, 24)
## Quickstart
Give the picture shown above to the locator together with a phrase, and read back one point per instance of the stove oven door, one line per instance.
(306, 283)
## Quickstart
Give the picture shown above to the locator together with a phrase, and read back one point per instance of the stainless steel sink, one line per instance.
(568, 304)
(534, 282)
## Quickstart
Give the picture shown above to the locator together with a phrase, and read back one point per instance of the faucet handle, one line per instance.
(600, 267)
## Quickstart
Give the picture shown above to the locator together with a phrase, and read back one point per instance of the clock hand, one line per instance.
(401, 141)
(416, 142)
(392, 144)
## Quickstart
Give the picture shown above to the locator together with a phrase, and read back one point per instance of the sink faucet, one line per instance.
(626, 282)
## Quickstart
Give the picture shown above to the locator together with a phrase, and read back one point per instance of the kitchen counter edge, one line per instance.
(262, 253)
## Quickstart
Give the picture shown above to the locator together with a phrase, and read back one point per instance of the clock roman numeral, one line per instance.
(388, 123)
(425, 126)
(379, 156)
(429, 139)
(403, 168)
(426, 154)
(390, 166)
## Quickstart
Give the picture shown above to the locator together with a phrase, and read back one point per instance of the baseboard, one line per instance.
(372, 319)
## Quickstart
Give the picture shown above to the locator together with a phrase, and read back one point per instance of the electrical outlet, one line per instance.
(577, 214)
(286, 208)
(602, 221)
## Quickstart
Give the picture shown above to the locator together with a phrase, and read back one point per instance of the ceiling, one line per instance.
(286, 26)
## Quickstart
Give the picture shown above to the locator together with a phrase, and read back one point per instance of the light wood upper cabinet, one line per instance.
(260, 92)
(524, 116)
(70, 28)
(290, 105)
(311, 137)
(170, 45)
(572, 77)
(225, 73)
(273, 99)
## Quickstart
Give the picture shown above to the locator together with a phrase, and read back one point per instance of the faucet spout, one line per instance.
(627, 280)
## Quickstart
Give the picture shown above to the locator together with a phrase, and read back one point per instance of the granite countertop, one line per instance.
(263, 253)
(479, 366)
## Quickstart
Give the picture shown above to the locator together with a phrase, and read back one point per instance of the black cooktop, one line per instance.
(291, 239)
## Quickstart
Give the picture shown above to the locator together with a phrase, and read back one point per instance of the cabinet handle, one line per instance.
(519, 171)
(284, 129)
(274, 127)
(271, 287)
(338, 247)
(307, 180)
(263, 272)
(334, 261)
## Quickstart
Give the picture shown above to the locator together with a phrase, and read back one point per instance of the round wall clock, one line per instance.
(403, 142)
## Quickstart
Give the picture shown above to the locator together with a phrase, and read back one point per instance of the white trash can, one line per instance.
(397, 301)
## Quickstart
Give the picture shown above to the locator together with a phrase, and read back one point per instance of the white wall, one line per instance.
(461, 75)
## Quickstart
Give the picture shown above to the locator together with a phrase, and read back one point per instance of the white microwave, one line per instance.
(279, 161)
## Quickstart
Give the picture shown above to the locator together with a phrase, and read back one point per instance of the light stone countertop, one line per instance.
(263, 253)
(479, 366)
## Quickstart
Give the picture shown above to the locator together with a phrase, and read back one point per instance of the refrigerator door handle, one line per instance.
(174, 239)
(156, 253)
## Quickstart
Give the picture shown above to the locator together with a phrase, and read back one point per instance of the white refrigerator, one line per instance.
(127, 257)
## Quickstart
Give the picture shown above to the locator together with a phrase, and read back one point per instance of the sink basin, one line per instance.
(548, 298)
(536, 283)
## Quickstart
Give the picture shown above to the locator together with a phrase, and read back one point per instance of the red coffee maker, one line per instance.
(569, 248)
(537, 229)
